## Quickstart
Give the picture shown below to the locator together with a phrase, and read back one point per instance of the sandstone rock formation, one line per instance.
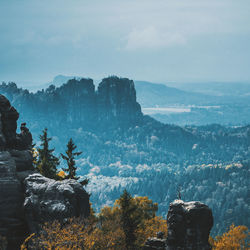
(12, 220)
(48, 200)
(189, 225)
(80, 94)
(155, 244)
(28, 199)
(8, 116)
(117, 101)
(77, 104)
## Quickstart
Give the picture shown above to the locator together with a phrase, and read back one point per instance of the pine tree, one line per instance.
(70, 158)
(47, 163)
(128, 220)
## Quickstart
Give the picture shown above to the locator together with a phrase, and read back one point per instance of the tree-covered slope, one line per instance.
(124, 148)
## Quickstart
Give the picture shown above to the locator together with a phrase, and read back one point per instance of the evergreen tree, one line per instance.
(70, 158)
(129, 221)
(47, 163)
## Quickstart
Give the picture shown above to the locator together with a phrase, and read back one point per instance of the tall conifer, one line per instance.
(70, 158)
(128, 220)
(47, 163)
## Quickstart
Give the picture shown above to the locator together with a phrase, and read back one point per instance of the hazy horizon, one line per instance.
(158, 41)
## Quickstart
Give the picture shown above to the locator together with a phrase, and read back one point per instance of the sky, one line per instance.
(154, 40)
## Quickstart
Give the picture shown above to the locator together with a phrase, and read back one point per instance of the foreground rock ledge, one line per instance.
(48, 200)
(189, 225)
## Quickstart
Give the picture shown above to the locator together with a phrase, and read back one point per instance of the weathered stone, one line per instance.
(23, 159)
(9, 117)
(117, 101)
(48, 200)
(26, 198)
(80, 94)
(189, 225)
(155, 244)
(12, 220)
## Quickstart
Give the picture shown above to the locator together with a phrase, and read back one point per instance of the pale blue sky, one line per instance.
(154, 40)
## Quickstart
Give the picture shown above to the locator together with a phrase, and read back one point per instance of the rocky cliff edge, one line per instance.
(27, 199)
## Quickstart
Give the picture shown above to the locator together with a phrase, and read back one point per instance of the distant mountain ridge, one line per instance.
(239, 89)
(77, 102)
(150, 94)
(111, 116)
(154, 94)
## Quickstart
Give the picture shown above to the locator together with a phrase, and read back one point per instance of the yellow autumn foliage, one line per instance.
(58, 237)
(34, 153)
(61, 174)
(103, 232)
(111, 226)
(236, 238)
(150, 228)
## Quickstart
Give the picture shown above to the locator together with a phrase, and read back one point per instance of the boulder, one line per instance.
(48, 200)
(189, 225)
(155, 244)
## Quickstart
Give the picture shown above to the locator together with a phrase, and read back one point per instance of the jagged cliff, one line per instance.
(77, 103)
(28, 199)
(116, 98)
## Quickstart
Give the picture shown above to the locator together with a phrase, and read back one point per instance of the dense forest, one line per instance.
(122, 148)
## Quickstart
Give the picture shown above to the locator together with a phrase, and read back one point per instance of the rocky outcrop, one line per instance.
(117, 101)
(28, 199)
(155, 243)
(48, 200)
(189, 225)
(79, 100)
(8, 125)
(12, 220)
(77, 104)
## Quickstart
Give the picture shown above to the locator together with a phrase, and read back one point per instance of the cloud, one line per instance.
(152, 38)
(41, 39)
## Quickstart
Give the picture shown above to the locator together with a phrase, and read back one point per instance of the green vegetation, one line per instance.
(70, 158)
(46, 163)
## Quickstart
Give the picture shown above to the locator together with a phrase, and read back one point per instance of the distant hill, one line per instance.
(239, 89)
(153, 94)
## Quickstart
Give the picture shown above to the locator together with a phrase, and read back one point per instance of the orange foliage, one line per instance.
(99, 239)
(111, 228)
(102, 232)
(61, 174)
(57, 237)
(236, 238)
(150, 228)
